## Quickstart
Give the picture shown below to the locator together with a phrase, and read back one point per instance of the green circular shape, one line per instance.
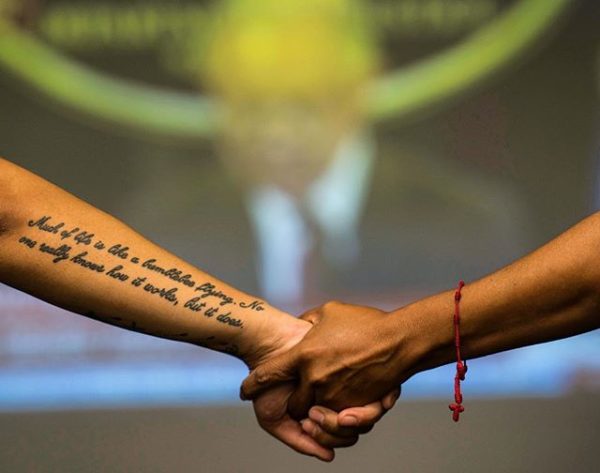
(156, 110)
(126, 103)
(431, 80)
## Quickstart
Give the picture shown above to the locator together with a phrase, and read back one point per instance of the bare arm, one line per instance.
(355, 353)
(550, 294)
(65, 251)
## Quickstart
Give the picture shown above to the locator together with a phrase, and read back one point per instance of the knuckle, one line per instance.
(318, 432)
(331, 305)
(322, 437)
(311, 316)
(315, 379)
(330, 424)
(270, 411)
(261, 376)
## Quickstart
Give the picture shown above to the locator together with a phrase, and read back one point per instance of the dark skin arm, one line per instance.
(354, 354)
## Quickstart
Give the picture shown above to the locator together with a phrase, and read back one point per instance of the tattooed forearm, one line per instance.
(132, 325)
(72, 255)
(209, 301)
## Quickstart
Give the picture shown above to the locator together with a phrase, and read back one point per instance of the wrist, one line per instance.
(273, 333)
(438, 319)
(424, 333)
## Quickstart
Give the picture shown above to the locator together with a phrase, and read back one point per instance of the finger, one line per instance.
(390, 399)
(300, 401)
(275, 371)
(326, 439)
(290, 432)
(312, 316)
(327, 420)
(363, 418)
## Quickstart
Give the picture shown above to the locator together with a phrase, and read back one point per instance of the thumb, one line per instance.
(274, 371)
(390, 398)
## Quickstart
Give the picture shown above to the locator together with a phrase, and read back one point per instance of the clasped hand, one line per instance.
(345, 362)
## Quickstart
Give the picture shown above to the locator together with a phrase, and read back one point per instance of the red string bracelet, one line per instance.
(461, 366)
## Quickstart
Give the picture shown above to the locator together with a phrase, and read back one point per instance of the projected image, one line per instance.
(369, 151)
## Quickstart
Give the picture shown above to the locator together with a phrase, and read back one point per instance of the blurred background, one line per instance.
(372, 151)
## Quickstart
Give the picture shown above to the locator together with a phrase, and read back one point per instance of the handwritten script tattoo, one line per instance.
(78, 246)
(258, 306)
(209, 290)
(172, 273)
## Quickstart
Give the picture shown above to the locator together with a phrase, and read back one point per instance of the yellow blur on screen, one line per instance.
(290, 50)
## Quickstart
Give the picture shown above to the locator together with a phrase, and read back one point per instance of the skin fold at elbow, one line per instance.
(8, 198)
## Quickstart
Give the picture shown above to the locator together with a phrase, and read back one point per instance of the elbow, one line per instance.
(4, 225)
(8, 197)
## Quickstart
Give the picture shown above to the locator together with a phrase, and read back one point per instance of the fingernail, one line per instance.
(316, 415)
(348, 421)
(307, 426)
(389, 402)
(324, 458)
